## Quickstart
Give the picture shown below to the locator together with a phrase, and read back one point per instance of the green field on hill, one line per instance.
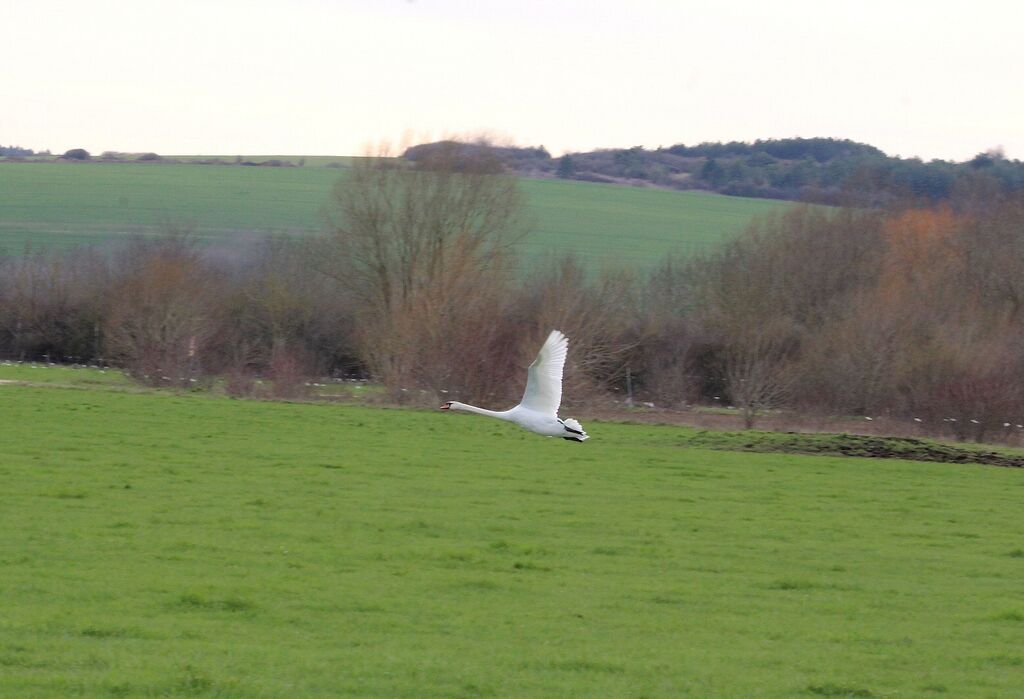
(65, 204)
(161, 545)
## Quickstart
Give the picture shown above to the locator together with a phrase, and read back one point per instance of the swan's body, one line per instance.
(538, 411)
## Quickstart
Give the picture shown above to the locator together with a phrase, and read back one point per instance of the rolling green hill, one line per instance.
(166, 545)
(65, 204)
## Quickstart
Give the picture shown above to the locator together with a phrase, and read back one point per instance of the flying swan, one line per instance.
(538, 411)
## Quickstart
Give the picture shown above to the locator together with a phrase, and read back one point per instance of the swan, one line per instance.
(538, 411)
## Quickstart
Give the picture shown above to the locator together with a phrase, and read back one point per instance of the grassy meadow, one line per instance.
(162, 545)
(67, 204)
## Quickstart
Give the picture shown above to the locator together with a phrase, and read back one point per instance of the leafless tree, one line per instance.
(160, 314)
(668, 335)
(851, 363)
(597, 310)
(758, 375)
(50, 305)
(425, 251)
(275, 308)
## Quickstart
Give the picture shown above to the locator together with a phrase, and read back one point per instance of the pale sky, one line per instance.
(927, 79)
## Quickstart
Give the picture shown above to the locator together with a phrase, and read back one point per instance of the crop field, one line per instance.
(66, 204)
(163, 545)
(332, 161)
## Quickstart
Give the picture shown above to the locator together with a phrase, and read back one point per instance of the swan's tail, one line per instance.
(574, 430)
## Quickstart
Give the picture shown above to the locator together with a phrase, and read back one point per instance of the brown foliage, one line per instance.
(51, 305)
(758, 368)
(665, 359)
(908, 314)
(915, 313)
(288, 373)
(425, 253)
(161, 315)
(919, 254)
(597, 313)
(850, 363)
(275, 303)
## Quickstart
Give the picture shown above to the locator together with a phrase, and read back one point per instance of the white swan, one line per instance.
(538, 411)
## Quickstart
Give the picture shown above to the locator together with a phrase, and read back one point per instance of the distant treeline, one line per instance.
(82, 155)
(821, 170)
(816, 170)
(18, 152)
(912, 312)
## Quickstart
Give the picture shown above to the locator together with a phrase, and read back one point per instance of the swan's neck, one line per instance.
(480, 411)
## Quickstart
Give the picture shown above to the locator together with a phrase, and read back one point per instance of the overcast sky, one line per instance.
(926, 79)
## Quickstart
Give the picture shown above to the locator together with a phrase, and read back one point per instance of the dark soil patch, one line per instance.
(852, 445)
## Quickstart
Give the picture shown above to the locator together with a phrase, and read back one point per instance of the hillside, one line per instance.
(823, 170)
(64, 204)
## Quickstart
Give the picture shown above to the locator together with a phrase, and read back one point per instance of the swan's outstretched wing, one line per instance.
(544, 380)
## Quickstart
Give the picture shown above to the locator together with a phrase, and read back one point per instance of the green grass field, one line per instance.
(332, 161)
(65, 204)
(65, 376)
(157, 545)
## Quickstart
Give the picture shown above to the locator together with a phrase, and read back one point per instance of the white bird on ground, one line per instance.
(538, 411)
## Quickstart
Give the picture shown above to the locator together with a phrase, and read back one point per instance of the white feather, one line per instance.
(544, 377)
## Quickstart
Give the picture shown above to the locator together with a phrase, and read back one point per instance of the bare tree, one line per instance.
(598, 311)
(425, 250)
(760, 299)
(50, 305)
(758, 376)
(160, 315)
(276, 308)
(671, 340)
(852, 362)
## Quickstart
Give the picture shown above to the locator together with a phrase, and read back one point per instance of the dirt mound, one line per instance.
(853, 445)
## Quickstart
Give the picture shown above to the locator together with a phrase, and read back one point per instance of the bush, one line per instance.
(76, 154)
(913, 313)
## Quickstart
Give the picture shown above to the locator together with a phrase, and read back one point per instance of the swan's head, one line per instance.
(447, 405)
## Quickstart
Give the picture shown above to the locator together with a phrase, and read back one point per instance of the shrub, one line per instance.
(76, 154)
